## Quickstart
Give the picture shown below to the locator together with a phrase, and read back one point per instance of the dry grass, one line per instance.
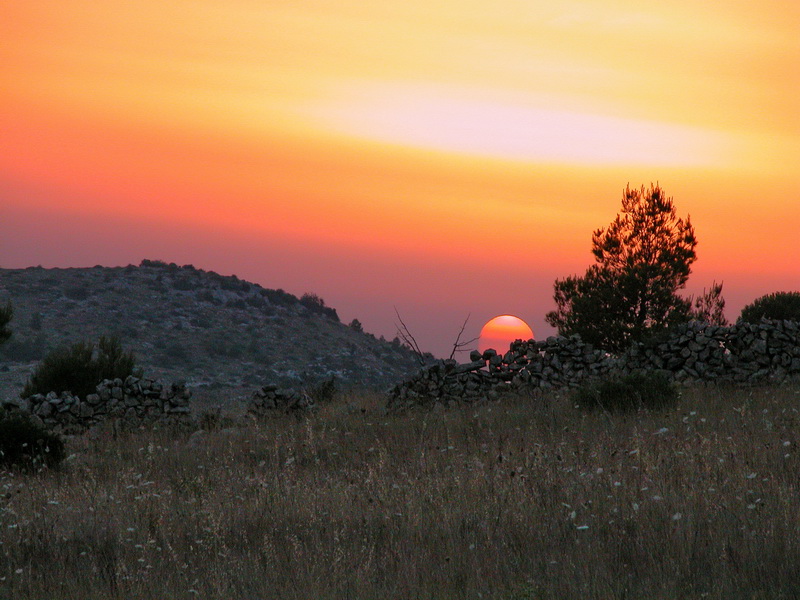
(528, 499)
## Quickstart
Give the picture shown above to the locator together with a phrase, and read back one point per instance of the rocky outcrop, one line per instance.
(129, 404)
(744, 353)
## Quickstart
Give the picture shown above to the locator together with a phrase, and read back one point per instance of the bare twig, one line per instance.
(458, 345)
(411, 343)
(408, 339)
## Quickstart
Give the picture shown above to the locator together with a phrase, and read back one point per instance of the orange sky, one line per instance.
(445, 157)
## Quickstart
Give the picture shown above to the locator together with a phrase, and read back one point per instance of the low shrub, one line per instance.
(315, 304)
(24, 444)
(80, 367)
(622, 393)
(279, 297)
(778, 306)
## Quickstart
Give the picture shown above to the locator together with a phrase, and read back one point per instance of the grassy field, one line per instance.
(525, 499)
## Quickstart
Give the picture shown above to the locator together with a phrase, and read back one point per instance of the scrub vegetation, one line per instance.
(80, 367)
(619, 393)
(778, 306)
(531, 498)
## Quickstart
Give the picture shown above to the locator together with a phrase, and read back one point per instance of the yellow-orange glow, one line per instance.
(498, 333)
(411, 139)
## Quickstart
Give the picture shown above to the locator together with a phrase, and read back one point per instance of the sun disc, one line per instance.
(498, 333)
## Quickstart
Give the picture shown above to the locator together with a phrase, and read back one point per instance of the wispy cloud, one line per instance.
(467, 121)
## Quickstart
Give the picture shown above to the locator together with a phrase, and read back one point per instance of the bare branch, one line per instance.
(408, 339)
(458, 345)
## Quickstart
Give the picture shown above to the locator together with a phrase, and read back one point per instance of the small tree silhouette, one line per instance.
(642, 258)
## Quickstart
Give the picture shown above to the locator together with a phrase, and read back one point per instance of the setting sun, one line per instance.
(499, 332)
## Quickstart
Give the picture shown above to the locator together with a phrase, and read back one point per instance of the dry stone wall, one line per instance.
(129, 403)
(270, 398)
(744, 353)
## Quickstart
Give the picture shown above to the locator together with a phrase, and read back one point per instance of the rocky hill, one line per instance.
(226, 337)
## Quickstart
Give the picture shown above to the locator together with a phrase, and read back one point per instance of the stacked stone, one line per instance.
(696, 352)
(554, 362)
(130, 403)
(766, 350)
(446, 382)
(742, 353)
(270, 399)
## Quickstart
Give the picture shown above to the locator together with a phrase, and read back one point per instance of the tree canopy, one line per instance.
(641, 260)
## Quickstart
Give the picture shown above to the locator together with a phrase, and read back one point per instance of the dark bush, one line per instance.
(233, 284)
(622, 393)
(312, 301)
(777, 306)
(112, 361)
(317, 305)
(80, 367)
(27, 445)
(155, 264)
(279, 297)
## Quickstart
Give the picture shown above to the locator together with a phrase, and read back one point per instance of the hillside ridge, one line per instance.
(225, 336)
